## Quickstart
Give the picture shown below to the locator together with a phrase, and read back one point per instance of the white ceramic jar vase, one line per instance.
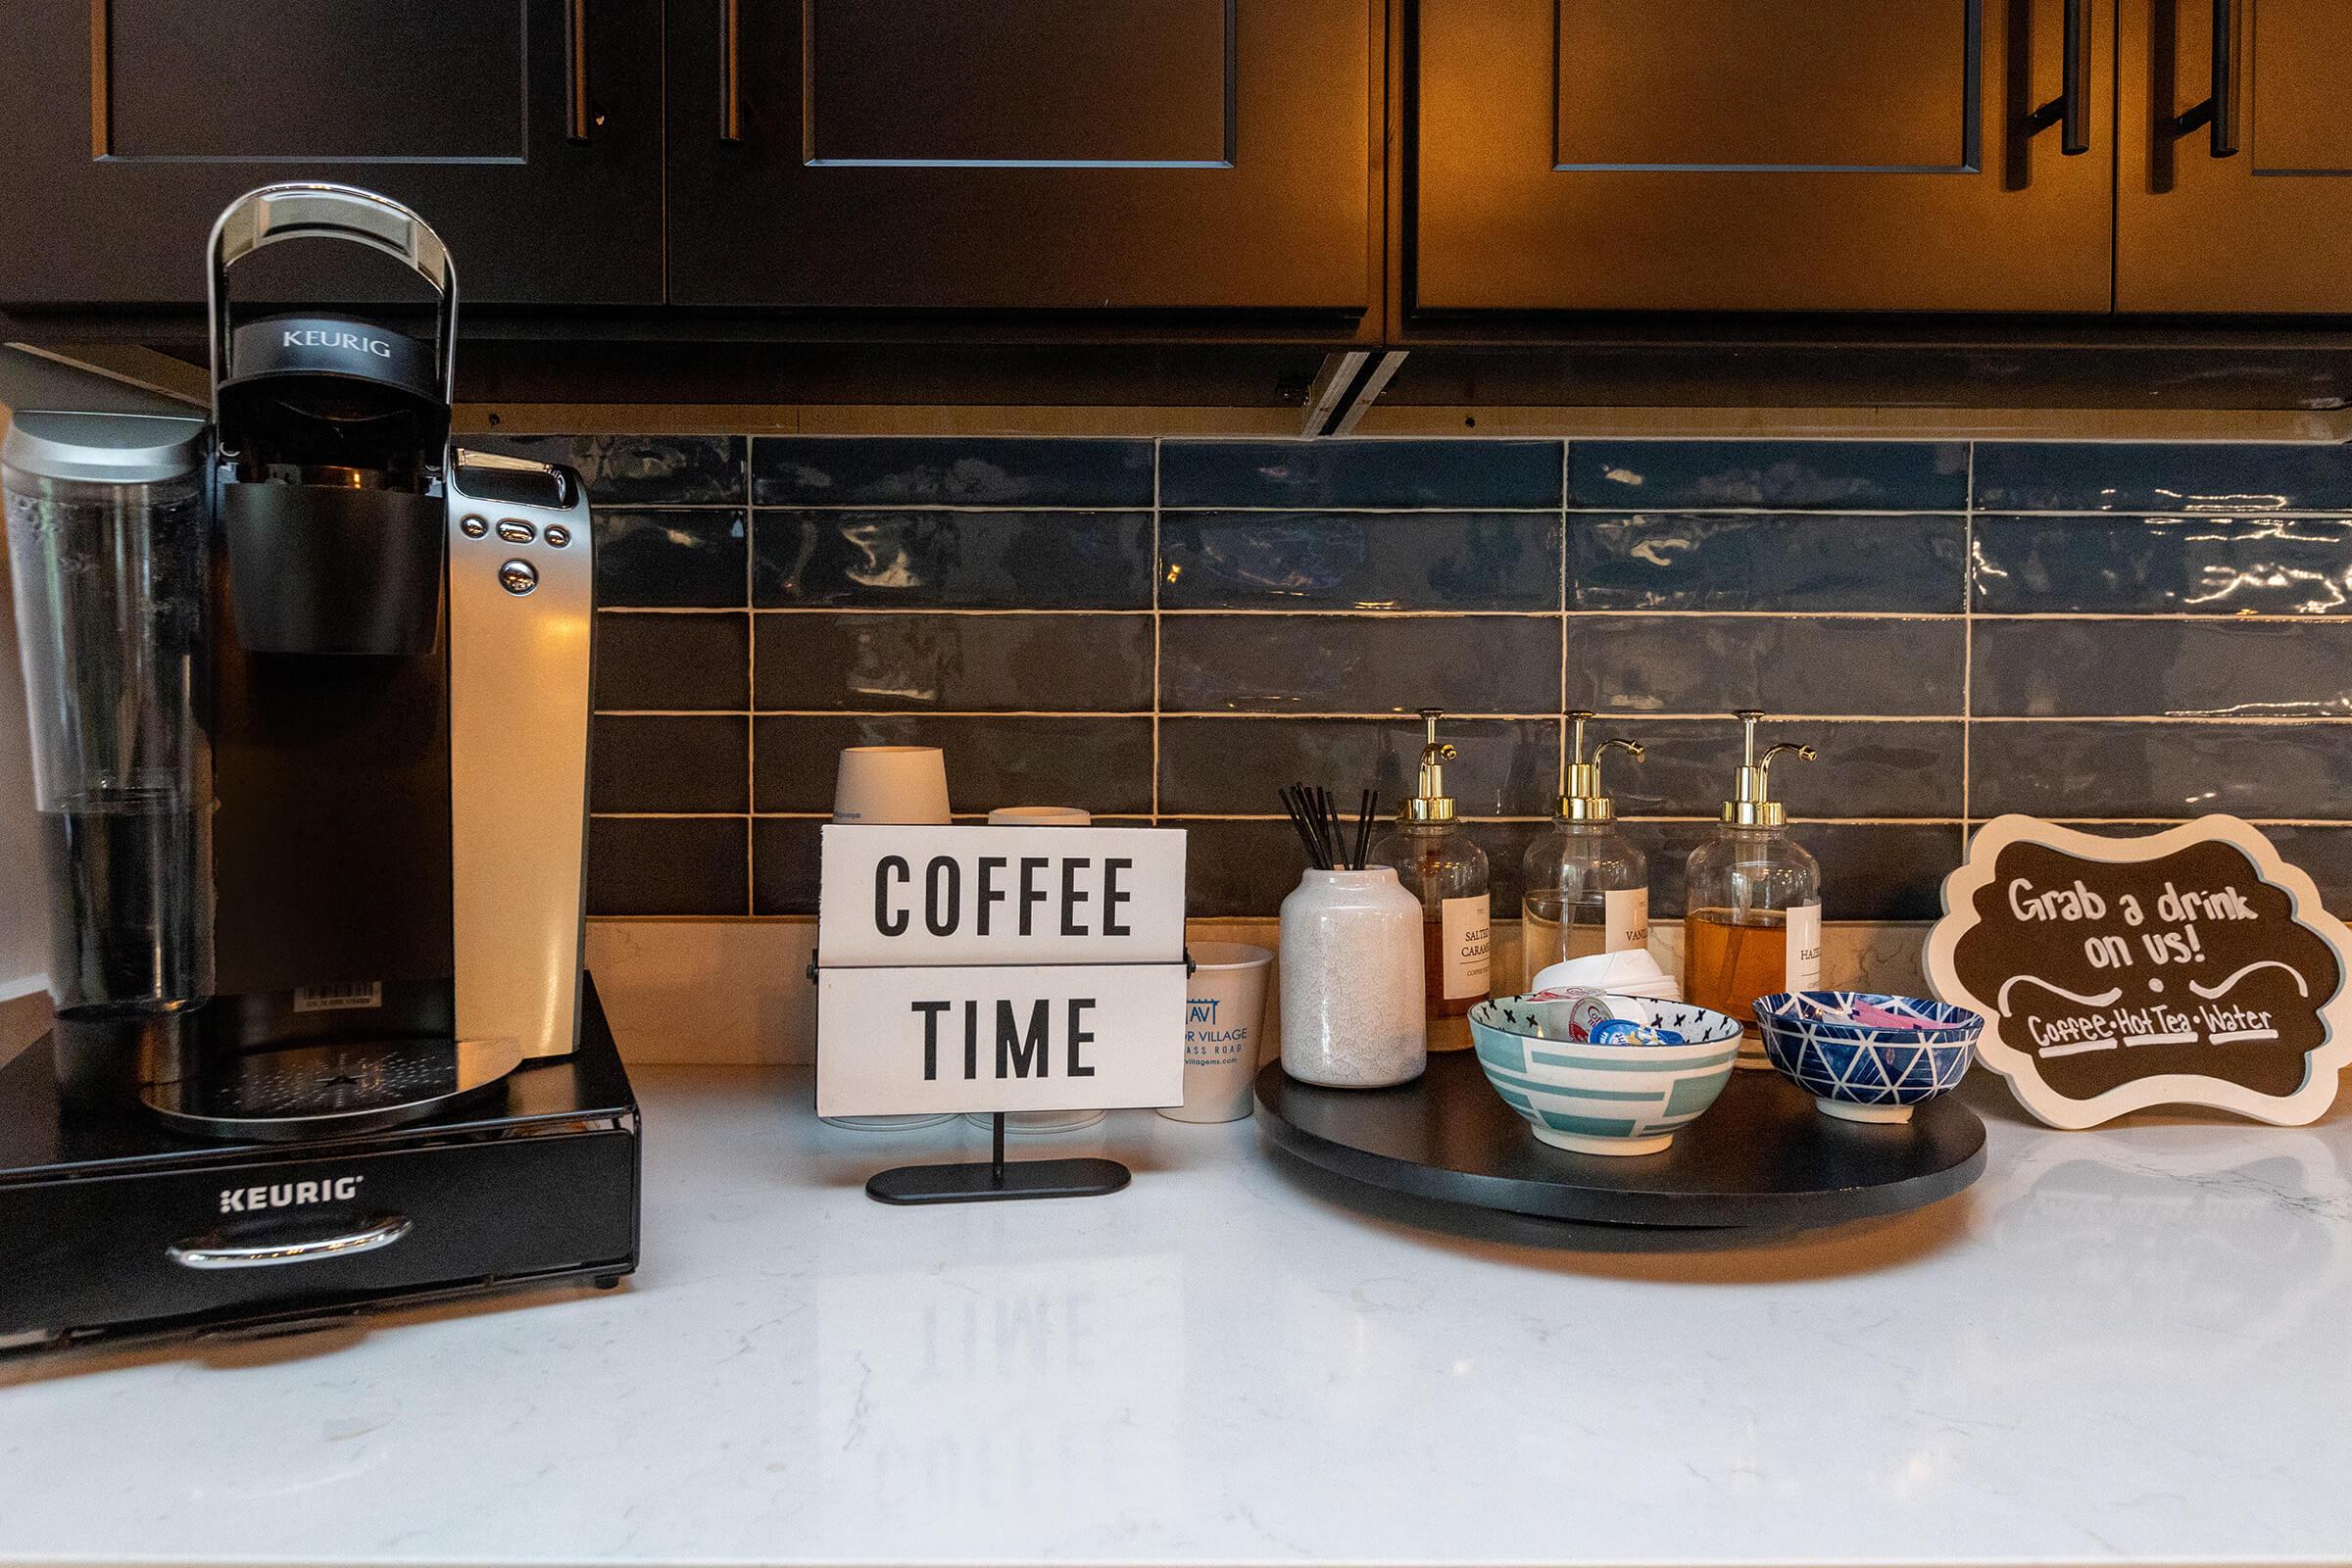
(1352, 1012)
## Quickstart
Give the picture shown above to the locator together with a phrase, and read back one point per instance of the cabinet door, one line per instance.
(1022, 154)
(2260, 217)
(129, 123)
(1764, 155)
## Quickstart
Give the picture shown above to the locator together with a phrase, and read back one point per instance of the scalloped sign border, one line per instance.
(2023, 1070)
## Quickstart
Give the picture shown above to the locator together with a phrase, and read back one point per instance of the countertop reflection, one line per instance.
(2124, 1344)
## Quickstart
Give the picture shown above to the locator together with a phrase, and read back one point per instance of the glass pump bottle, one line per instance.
(1753, 901)
(1587, 886)
(1437, 862)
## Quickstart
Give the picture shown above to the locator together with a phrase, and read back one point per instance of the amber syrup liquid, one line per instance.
(1733, 956)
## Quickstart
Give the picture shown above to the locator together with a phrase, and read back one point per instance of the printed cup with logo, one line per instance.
(1225, 1004)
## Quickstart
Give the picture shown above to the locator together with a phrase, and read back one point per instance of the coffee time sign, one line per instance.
(2187, 968)
(1000, 968)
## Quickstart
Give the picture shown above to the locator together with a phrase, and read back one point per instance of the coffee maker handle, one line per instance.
(314, 210)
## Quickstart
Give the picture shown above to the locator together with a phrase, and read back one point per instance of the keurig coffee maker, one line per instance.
(309, 696)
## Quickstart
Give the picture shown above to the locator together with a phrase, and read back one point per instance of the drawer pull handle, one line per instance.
(206, 1253)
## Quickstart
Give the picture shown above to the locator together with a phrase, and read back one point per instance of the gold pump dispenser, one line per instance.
(1751, 804)
(1581, 799)
(1428, 802)
(1751, 898)
(1439, 862)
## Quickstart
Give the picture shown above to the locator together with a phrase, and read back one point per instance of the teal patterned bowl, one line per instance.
(1604, 1099)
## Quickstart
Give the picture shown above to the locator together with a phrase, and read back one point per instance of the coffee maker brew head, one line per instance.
(330, 431)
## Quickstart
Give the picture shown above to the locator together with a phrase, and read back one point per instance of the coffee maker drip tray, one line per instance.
(291, 1093)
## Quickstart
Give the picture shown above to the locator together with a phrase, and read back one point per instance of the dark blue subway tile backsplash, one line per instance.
(1783, 475)
(951, 559)
(1782, 663)
(2042, 668)
(1786, 562)
(2162, 565)
(929, 471)
(656, 660)
(1048, 663)
(1318, 476)
(1211, 663)
(1359, 561)
(2223, 480)
(670, 559)
(2107, 634)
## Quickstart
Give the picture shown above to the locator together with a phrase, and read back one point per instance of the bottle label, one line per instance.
(1626, 914)
(1466, 937)
(1804, 946)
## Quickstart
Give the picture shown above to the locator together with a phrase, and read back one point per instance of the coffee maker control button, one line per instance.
(514, 532)
(472, 527)
(558, 535)
(517, 577)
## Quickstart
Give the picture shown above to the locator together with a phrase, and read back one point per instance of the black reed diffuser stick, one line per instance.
(1315, 813)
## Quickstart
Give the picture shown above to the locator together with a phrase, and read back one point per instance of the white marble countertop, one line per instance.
(2129, 1346)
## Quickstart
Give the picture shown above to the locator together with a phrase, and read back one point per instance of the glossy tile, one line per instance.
(1766, 562)
(638, 471)
(1359, 664)
(950, 471)
(1863, 769)
(1103, 764)
(670, 559)
(697, 763)
(1035, 663)
(1359, 561)
(654, 661)
(1789, 475)
(2180, 566)
(1507, 768)
(2170, 769)
(785, 860)
(674, 866)
(2324, 850)
(954, 559)
(1709, 664)
(1345, 473)
(2177, 669)
(2230, 479)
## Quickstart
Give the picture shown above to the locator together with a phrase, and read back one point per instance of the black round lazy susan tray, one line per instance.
(1762, 1154)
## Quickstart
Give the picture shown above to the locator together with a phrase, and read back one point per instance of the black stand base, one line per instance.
(984, 1181)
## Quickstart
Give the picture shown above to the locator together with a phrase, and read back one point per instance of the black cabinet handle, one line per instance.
(2218, 113)
(730, 70)
(2074, 134)
(2070, 110)
(576, 117)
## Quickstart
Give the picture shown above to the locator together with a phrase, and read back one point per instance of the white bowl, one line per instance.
(1604, 1099)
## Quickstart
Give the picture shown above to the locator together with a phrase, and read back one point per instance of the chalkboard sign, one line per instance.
(2187, 968)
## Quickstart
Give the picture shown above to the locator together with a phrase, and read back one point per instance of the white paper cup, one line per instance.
(1040, 816)
(1224, 1006)
(904, 785)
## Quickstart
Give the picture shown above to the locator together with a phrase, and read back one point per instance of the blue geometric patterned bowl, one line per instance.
(1603, 1098)
(1863, 1072)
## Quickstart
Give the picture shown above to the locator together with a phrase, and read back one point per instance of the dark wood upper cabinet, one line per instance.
(1769, 154)
(1024, 155)
(2256, 217)
(129, 123)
